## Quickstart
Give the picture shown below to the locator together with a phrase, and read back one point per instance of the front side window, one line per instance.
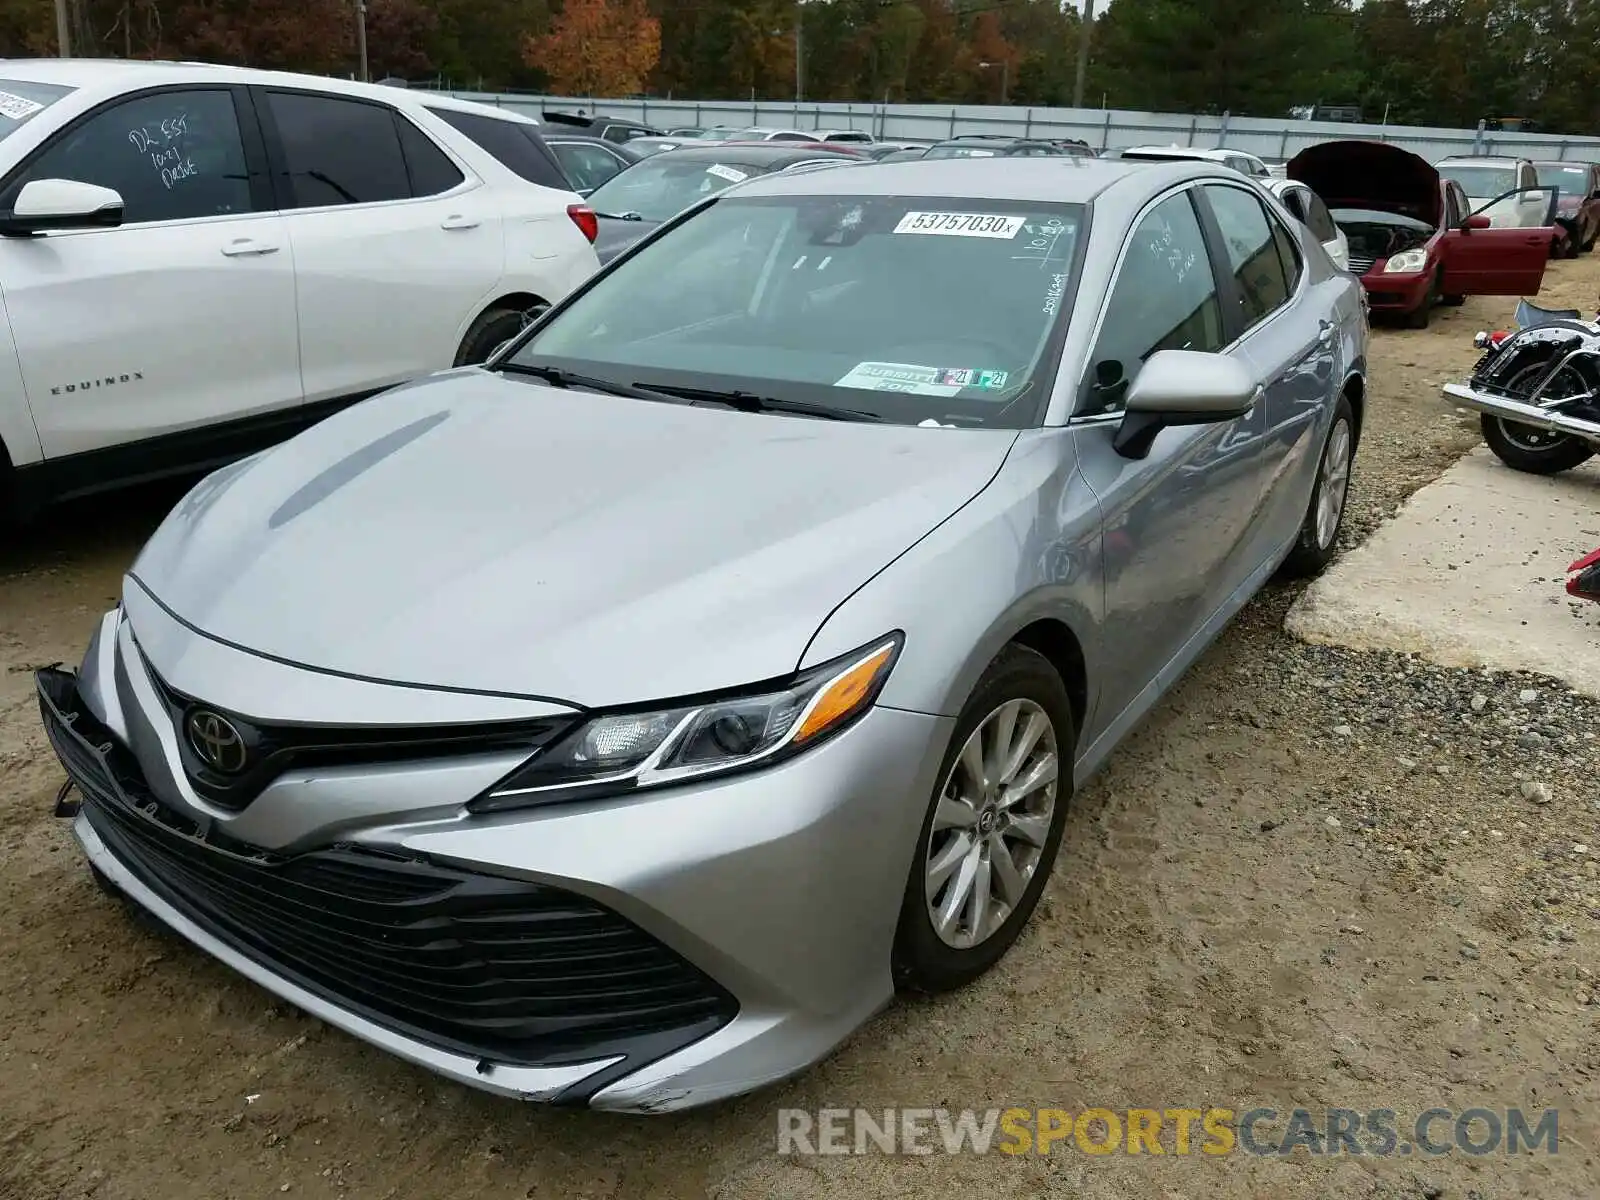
(338, 151)
(1164, 298)
(914, 309)
(171, 156)
(1253, 256)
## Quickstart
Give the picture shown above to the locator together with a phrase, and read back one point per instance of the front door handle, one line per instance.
(1325, 332)
(241, 247)
(457, 221)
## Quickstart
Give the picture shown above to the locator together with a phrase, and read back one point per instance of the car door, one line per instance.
(1289, 338)
(1502, 260)
(586, 164)
(397, 247)
(182, 317)
(1176, 521)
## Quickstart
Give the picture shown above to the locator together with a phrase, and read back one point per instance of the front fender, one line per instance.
(1027, 548)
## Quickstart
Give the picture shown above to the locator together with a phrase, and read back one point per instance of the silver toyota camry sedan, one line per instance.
(623, 723)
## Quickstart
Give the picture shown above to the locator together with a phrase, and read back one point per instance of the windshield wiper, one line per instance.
(558, 377)
(750, 402)
(627, 216)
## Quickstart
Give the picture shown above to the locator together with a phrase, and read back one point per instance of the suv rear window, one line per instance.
(515, 146)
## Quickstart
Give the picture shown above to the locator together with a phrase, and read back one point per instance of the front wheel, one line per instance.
(1419, 317)
(1319, 531)
(1534, 451)
(993, 825)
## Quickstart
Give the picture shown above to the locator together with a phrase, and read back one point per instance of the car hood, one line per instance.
(484, 533)
(617, 235)
(1373, 175)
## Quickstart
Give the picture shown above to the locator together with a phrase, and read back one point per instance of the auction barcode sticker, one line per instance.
(17, 107)
(954, 224)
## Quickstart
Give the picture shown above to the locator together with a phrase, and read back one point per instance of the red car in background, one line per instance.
(1414, 240)
(1577, 201)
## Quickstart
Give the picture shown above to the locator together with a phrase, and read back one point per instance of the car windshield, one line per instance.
(960, 152)
(1481, 182)
(1571, 180)
(660, 187)
(21, 101)
(912, 309)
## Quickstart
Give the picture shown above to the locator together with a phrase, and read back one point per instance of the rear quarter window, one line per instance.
(515, 146)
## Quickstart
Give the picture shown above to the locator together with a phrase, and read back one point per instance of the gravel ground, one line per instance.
(1313, 879)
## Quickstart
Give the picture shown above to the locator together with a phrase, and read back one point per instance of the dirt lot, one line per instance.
(1313, 879)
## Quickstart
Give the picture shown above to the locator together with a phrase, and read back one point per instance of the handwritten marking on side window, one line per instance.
(1164, 247)
(163, 143)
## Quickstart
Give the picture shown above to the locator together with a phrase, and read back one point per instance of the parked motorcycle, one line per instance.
(1537, 388)
(1583, 577)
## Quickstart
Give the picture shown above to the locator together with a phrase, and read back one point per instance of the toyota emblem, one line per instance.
(216, 741)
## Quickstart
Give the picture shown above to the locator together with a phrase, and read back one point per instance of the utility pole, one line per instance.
(1083, 52)
(361, 38)
(63, 29)
(799, 53)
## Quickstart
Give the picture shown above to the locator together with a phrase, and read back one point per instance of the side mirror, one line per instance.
(1182, 387)
(1476, 221)
(51, 204)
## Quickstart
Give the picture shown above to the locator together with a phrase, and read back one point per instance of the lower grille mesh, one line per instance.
(496, 968)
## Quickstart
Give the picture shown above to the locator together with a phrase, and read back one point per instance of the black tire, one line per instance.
(1587, 246)
(1314, 549)
(1518, 446)
(1452, 301)
(1419, 317)
(494, 327)
(922, 960)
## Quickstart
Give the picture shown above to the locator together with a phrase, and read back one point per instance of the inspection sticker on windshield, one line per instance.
(954, 224)
(907, 377)
(17, 107)
(731, 174)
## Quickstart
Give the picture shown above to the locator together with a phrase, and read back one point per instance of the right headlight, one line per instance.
(623, 752)
(1406, 262)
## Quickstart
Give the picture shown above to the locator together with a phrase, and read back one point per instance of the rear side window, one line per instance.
(338, 151)
(429, 167)
(1252, 254)
(1318, 219)
(514, 146)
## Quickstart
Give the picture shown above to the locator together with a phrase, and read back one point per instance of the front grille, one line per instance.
(272, 749)
(1360, 266)
(499, 969)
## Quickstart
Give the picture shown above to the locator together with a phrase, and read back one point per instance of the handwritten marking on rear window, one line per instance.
(163, 141)
(17, 107)
(954, 224)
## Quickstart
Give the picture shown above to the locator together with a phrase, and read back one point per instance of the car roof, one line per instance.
(1064, 179)
(111, 76)
(751, 152)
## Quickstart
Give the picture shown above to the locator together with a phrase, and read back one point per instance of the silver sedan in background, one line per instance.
(623, 723)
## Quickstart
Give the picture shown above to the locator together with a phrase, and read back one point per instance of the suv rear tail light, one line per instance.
(583, 217)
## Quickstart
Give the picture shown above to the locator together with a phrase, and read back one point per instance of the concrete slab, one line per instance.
(1471, 573)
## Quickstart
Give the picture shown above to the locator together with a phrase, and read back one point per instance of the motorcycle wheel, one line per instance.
(1533, 451)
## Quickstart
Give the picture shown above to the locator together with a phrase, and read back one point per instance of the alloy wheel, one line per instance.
(993, 819)
(1334, 485)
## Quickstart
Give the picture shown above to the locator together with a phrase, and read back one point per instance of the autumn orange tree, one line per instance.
(597, 48)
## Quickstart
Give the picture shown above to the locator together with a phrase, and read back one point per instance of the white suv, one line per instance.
(198, 261)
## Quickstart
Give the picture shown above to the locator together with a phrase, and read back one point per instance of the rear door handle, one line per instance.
(457, 221)
(241, 247)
